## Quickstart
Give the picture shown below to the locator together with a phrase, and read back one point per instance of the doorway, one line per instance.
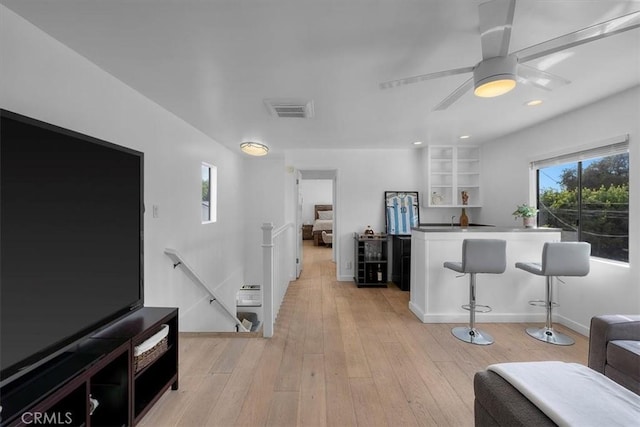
(316, 188)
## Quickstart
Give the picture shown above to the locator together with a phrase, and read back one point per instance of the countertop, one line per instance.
(480, 229)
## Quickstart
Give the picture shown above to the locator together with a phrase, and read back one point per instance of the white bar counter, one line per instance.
(436, 293)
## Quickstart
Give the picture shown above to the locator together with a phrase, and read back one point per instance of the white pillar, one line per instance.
(267, 277)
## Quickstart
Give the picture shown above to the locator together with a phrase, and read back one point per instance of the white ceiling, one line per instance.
(213, 62)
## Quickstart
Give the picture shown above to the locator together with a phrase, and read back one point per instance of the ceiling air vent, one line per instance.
(292, 108)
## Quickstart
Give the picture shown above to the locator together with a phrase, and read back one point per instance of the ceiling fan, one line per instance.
(499, 70)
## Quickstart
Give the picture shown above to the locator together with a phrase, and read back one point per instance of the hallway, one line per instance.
(341, 356)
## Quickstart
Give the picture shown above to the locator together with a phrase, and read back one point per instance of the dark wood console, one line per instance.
(100, 368)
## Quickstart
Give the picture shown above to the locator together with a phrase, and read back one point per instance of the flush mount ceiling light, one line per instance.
(254, 148)
(464, 137)
(495, 76)
(417, 143)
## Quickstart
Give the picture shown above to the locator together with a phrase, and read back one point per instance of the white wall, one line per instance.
(362, 178)
(264, 197)
(315, 192)
(44, 79)
(610, 287)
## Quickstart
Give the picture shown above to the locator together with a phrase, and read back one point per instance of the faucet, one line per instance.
(452, 218)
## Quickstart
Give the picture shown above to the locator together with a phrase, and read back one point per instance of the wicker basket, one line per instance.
(150, 355)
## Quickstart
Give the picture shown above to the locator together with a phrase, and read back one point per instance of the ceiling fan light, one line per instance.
(495, 76)
(494, 88)
(254, 148)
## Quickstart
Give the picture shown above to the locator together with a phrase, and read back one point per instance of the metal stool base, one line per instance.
(550, 336)
(472, 335)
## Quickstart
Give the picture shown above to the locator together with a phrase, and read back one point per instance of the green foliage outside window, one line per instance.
(205, 191)
(596, 209)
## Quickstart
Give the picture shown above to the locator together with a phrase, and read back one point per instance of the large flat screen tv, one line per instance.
(71, 231)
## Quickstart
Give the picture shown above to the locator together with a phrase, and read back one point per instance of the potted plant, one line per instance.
(527, 213)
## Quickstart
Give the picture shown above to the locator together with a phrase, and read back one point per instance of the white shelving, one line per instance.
(451, 170)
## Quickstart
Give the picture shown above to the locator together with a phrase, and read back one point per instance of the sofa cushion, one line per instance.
(624, 355)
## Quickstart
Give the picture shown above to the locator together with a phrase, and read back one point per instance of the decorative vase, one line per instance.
(464, 195)
(368, 230)
(464, 219)
(529, 221)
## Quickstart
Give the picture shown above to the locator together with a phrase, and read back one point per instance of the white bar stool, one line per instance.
(478, 256)
(558, 259)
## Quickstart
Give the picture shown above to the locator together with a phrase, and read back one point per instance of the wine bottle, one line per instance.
(464, 219)
(379, 273)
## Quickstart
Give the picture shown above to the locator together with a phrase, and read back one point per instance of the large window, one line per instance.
(586, 194)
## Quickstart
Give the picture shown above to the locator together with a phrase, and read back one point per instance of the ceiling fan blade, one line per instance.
(585, 35)
(423, 77)
(454, 96)
(496, 18)
(539, 78)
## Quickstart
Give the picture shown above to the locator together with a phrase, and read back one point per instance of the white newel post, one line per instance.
(267, 273)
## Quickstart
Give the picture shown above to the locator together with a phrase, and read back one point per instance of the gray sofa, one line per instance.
(614, 350)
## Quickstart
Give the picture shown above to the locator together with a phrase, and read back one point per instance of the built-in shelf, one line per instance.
(451, 170)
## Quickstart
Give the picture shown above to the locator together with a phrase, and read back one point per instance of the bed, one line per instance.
(323, 222)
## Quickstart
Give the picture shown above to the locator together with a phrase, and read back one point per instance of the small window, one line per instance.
(209, 193)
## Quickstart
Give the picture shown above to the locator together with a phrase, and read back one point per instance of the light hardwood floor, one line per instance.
(342, 356)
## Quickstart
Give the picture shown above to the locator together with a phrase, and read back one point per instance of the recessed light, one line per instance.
(464, 136)
(417, 143)
(533, 102)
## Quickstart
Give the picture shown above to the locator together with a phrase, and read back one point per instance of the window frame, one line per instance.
(213, 193)
(577, 155)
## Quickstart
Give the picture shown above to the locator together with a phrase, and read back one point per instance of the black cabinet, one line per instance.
(370, 259)
(401, 273)
(94, 383)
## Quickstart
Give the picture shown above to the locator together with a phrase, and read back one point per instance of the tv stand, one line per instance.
(100, 368)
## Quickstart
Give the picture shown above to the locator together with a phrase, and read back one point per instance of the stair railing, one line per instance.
(178, 261)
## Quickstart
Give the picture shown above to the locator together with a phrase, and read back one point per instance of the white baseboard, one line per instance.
(574, 326)
(496, 318)
(463, 317)
(416, 310)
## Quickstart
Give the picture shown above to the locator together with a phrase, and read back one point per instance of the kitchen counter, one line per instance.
(436, 293)
(481, 229)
